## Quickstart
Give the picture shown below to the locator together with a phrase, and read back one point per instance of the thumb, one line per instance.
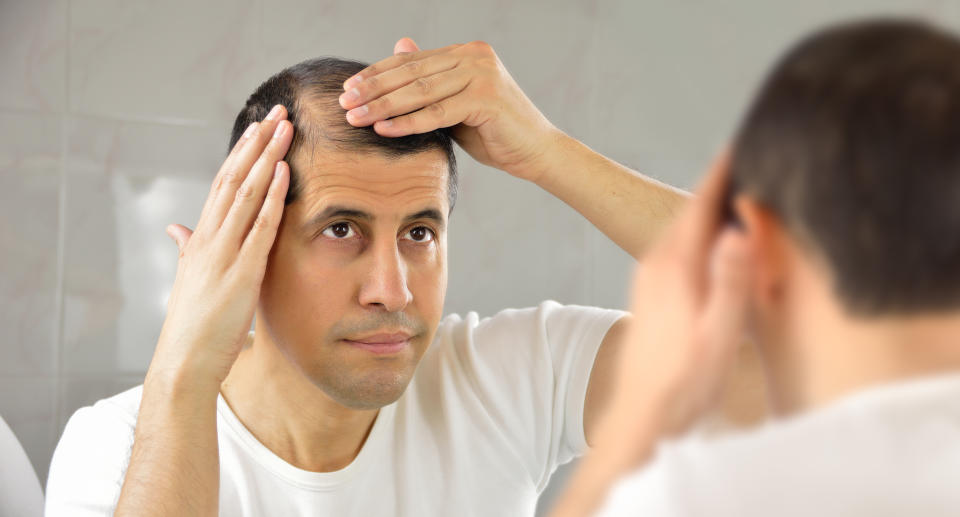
(180, 235)
(405, 45)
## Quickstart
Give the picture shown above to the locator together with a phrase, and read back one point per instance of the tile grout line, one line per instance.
(62, 230)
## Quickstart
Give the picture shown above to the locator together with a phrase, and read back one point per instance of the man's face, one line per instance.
(354, 288)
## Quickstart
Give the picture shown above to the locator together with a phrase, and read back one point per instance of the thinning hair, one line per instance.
(310, 91)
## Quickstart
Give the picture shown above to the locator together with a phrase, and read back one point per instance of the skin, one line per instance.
(466, 87)
(723, 284)
(381, 270)
(174, 463)
(310, 293)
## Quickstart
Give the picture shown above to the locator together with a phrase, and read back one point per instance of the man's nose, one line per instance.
(386, 283)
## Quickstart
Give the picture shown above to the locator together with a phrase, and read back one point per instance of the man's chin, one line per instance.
(373, 390)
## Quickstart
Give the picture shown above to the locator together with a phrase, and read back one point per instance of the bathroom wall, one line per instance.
(114, 116)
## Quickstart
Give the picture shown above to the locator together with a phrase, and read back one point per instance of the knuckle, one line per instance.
(229, 178)
(371, 82)
(262, 222)
(480, 47)
(423, 85)
(381, 105)
(244, 192)
(413, 67)
(437, 111)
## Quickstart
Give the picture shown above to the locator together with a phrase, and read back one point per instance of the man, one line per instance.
(844, 264)
(352, 397)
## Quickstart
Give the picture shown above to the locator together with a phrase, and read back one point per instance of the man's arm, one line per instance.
(626, 206)
(466, 86)
(174, 465)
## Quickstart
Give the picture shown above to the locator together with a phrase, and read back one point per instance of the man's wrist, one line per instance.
(544, 158)
(182, 382)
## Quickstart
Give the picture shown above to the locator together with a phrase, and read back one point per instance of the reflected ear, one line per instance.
(765, 233)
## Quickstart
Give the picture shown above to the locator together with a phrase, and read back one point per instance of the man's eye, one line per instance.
(420, 234)
(339, 231)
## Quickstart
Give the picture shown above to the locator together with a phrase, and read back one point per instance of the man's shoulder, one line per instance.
(117, 411)
(862, 448)
(124, 405)
(518, 323)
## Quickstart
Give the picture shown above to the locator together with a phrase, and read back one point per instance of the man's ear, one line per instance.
(405, 45)
(766, 234)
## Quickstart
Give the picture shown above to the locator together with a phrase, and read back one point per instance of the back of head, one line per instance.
(310, 91)
(854, 143)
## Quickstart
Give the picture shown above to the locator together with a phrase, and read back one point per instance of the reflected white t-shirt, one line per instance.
(493, 408)
(892, 450)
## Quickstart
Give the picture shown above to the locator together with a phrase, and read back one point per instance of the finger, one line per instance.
(420, 93)
(706, 207)
(180, 235)
(256, 246)
(391, 80)
(391, 63)
(250, 196)
(445, 113)
(727, 306)
(697, 226)
(228, 164)
(230, 178)
(405, 45)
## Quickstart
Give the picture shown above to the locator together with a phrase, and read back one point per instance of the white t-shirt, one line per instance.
(493, 408)
(892, 450)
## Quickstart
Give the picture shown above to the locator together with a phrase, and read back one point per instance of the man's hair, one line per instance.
(310, 91)
(854, 142)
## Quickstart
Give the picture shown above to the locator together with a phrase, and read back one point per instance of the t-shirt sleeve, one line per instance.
(89, 463)
(532, 368)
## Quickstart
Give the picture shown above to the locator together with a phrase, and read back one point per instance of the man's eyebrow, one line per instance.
(430, 213)
(336, 211)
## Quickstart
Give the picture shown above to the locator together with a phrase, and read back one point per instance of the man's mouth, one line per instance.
(383, 343)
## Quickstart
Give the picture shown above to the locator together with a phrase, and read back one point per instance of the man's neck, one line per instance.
(837, 355)
(289, 415)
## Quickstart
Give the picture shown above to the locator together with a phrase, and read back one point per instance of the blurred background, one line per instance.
(115, 115)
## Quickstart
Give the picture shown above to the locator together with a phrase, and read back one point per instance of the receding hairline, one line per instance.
(310, 91)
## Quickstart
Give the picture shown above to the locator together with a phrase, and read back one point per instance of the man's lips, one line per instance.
(382, 343)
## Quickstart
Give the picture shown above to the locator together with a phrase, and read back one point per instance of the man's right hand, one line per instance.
(463, 86)
(222, 263)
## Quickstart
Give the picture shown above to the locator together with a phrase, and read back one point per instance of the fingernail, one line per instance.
(281, 128)
(274, 113)
(353, 81)
(386, 123)
(247, 133)
(356, 113)
(351, 96)
(277, 169)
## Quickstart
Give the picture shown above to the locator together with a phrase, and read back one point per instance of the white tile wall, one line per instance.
(114, 115)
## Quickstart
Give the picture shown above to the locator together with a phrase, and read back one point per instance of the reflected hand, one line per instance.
(222, 263)
(464, 86)
(690, 305)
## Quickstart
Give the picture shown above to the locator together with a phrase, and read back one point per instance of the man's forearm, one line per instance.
(174, 466)
(626, 206)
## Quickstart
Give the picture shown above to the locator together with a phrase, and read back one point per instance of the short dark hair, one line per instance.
(310, 91)
(854, 142)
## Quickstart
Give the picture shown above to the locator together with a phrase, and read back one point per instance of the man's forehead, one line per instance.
(374, 181)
